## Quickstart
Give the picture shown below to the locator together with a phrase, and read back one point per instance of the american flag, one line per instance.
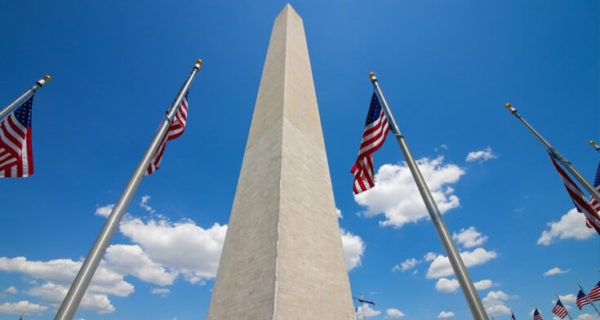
(582, 299)
(175, 131)
(559, 309)
(16, 158)
(536, 315)
(594, 295)
(579, 199)
(376, 129)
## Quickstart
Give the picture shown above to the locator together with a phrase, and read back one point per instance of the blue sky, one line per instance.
(446, 69)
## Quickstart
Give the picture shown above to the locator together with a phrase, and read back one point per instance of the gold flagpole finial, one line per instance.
(47, 78)
(507, 106)
(592, 142)
(199, 61)
(372, 76)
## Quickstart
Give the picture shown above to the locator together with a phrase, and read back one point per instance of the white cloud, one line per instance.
(469, 238)
(409, 264)
(104, 211)
(481, 155)
(22, 307)
(587, 316)
(449, 286)
(570, 225)
(494, 303)
(446, 314)
(483, 284)
(365, 311)
(63, 271)
(354, 247)
(11, 290)
(54, 294)
(429, 256)
(144, 204)
(131, 259)
(338, 213)
(396, 196)
(553, 271)
(440, 267)
(161, 291)
(570, 298)
(446, 285)
(394, 313)
(183, 246)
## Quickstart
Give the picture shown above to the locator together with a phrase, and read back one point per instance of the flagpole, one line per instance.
(40, 83)
(596, 147)
(567, 311)
(473, 300)
(591, 302)
(556, 155)
(85, 274)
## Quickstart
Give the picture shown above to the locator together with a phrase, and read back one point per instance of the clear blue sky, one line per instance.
(446, 68)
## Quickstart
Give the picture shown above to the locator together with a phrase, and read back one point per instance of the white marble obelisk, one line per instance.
(283, 256)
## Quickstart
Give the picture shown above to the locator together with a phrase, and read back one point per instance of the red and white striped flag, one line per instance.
(16, 157)
(536, 315)
(175, 131)
(559, 309)
(593, 202)
(581, 202)
(594, 295)
(376, 129)
(582, 299)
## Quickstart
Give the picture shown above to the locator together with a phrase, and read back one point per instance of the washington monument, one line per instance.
(283, 256)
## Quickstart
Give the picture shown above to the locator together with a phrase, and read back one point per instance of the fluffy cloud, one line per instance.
(494, 303)
(394, 180)
(366, 311)
(570, 298)
(446, 314)
(183, 246)
(11, 290)
(338, 213)
(54, 294)
(553, 271)
(481, 155)
(163, 292)
(448, 286)
(409, 264)
(469, 238)
(104, 211)
(22, 307)
(570, 225)
(394, 313)
(63, 271)
(440, 266)
(483, 284)
(354, 247)
(132, 260)
(587, 316)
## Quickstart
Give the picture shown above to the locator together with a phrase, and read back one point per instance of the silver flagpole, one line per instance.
(596, 147)
(557, 300)
(557, 156)
(83, 278)
(591, 302)
(458, 265)
(40, 83)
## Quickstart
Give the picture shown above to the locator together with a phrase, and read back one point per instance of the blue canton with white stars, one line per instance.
(374, 110)
(23, 113)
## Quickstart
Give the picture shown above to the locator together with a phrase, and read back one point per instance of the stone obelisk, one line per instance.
(283, 256)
